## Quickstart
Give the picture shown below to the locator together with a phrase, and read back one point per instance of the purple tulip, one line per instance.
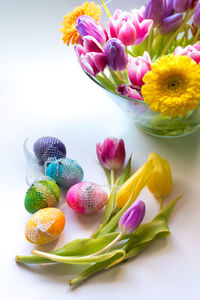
(86, 25)
(182, 5)
(115, 55)
(171, 23)
(129, 27)
(169, 9)
(196, 20)
(111, 154)
(127, 90)
(91, 56)
(137, 68)
(155, 10)
(132, 218)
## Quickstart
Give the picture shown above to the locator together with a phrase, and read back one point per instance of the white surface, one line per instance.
(44, 92)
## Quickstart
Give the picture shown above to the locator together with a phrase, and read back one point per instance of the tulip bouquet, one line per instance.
(149, 55)
(120, 236)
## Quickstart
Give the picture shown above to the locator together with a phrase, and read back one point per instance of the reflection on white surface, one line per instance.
(44, 92)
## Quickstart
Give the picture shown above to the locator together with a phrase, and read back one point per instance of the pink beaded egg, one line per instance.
(86, 198)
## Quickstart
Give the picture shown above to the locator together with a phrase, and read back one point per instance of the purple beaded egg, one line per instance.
(48, 147)
(86, 198)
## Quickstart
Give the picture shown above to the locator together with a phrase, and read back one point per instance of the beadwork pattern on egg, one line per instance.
(41, 194)
(86, 197)
(45, 226)
(48, 147)
(65, 171)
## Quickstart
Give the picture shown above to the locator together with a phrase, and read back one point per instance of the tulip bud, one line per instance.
(86, 25)
(155, 10)
(171, 23)
(160, 182)
(132, 218)
(169, 10)
(115, 54)
(130, 27)
(137, 182)
(137, 68)
(196, 20)
(191, 51)
(182, 5)
(127, 90)
(111, 154)
(91, 62)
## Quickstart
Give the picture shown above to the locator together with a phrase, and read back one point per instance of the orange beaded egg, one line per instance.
(45, 226)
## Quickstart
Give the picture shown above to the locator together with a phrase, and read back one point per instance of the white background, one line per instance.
(44, 92)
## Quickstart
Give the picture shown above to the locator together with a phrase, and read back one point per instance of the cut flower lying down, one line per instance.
(103, 249)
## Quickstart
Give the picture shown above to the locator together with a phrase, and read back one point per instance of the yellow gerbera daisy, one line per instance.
(173, 86)
(70, 33)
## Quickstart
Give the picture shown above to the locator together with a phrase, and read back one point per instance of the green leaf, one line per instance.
(117, 80)
(139, 240)
(167, 210)
(111, 200)
(107, 173)
(113, 223)
(110, 204)
(80, 260)
(126, 173)
(79, 247)
(92, 270)
(105, 83)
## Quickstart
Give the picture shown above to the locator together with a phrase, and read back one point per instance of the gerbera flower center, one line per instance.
(173, 83)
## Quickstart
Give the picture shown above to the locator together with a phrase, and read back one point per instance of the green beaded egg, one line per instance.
(42, 194)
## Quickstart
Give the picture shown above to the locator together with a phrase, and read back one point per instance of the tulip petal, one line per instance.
(145, 28)
(91, 44)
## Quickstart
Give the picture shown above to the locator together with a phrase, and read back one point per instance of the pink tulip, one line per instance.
(129, 27)
(191, 51)
(137, 68)
(127, 90)
(91, 56)
(111, 154)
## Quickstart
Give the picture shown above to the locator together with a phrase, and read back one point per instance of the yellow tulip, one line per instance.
(139, 180)
(160, 183)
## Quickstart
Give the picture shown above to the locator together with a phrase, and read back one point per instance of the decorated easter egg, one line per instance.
(48, 147)
(41, 194)
(86, 197)
(65, 171)
(45, 226)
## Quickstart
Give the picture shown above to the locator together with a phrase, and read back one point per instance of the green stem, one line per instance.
(150, 42)
(108, 80)
(169, 43)
(112, 176)
(116, 78)
(121, 75)
(129, 52)
(196, 36)
(106, 9)
(108, 246)
(80, 260)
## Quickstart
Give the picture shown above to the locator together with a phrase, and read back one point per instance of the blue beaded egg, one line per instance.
(48, 147)
(65, 171)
